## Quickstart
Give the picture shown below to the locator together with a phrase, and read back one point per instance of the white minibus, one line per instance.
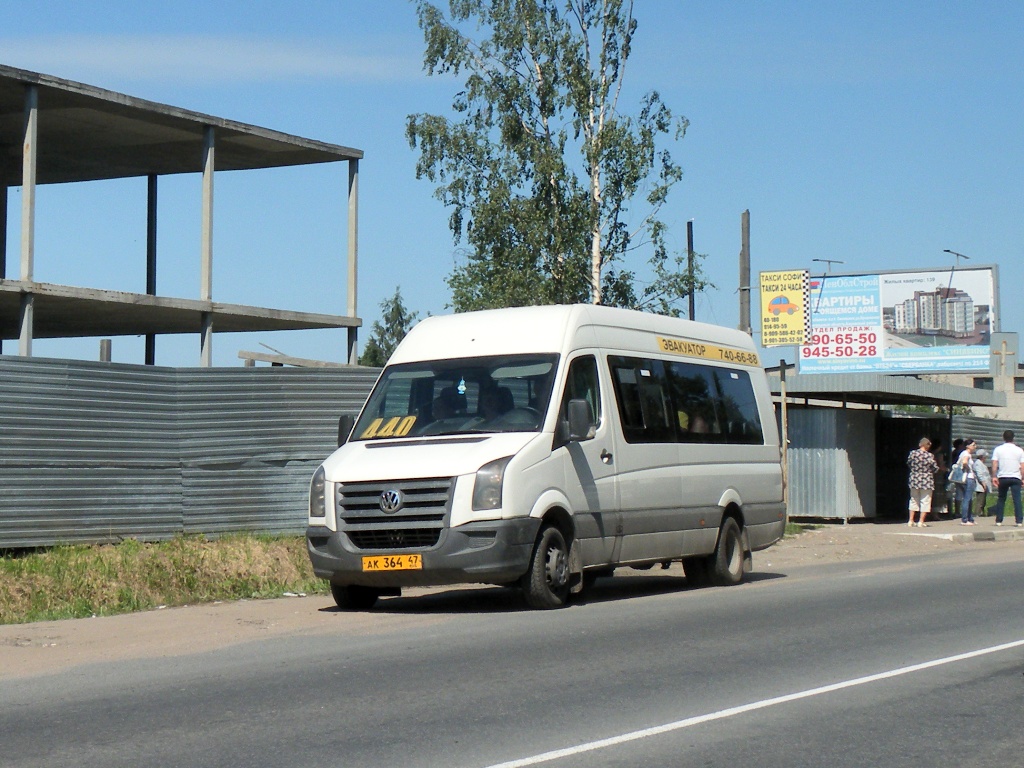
(542, 447)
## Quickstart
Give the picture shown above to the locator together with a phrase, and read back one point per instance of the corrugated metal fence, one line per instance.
(988, 433)
(94, 452)
(831, 463)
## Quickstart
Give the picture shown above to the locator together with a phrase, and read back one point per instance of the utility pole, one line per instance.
(745, 272)
(689, 262)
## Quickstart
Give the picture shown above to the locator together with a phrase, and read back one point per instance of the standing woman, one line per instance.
(922, 481)
(965, 488)
(941, 501)
(984, 482)
(954, 498)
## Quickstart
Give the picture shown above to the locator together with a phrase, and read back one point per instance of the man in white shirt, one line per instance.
(1006, 461)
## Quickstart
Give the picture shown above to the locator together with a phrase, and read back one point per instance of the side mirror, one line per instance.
(577, 424)
(345, 424)
(579, 419)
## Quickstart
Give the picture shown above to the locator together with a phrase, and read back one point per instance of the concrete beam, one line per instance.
(64, 311)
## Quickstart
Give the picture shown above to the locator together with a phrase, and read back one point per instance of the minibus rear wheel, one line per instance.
(730, 560)
(698, 570)
(353, 597)
(546, 582)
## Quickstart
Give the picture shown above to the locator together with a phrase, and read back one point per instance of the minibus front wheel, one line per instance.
(546, 582)
(353, 597)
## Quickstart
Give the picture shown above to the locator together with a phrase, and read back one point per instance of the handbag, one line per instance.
(956, 474)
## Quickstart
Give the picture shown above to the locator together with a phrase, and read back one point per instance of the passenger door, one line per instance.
(649, 482)
(589, 465)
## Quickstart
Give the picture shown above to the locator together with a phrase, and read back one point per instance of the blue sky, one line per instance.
(873, 133)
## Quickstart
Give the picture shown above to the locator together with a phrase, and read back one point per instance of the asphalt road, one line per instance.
(897, 663)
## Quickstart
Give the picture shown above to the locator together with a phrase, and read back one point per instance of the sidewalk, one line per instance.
(947, 529)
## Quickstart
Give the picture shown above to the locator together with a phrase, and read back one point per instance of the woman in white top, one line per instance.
(965, 489)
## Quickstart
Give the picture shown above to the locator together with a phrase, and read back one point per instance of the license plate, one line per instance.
(393, 563)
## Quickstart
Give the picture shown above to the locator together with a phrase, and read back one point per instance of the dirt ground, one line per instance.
(49, 647)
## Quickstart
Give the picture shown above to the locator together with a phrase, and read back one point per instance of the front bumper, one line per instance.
(487, 552)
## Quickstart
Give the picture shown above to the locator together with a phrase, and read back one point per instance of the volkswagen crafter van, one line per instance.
(543, 447)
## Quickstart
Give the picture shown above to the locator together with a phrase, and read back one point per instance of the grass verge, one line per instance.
(101, 580)
(795, 529)
(78, 581)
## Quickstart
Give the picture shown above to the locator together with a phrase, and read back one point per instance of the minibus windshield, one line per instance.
(501, 393)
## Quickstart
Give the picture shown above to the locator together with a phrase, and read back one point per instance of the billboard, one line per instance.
(784, 319)
(927, 321)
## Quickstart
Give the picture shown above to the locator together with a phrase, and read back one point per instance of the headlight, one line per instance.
(487, 490)
(317, 503)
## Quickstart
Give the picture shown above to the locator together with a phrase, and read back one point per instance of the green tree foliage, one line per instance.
(395, 321)
(937, 410)
(539, 167)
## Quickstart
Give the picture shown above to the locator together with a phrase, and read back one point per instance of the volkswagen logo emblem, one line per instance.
(391, 501)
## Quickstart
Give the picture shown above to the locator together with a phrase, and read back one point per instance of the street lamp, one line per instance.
(958, 255)
(830, 262)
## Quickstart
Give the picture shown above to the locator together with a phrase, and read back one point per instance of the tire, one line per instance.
(590, 577)
(729, 560)
(352, 597)
(698, 571)
(546, 582)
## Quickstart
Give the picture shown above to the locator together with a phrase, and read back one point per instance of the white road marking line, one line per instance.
(733, 711)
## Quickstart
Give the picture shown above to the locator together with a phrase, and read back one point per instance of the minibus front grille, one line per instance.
(400, 514)
(395, 538)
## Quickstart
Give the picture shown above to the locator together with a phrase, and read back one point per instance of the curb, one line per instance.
(965, 537)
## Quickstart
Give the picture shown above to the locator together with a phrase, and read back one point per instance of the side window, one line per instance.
(696, 399)
(665, 402)
(644, 400)
(582, 384)
(739, 408)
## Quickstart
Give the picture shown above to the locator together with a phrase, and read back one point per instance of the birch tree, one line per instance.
(553, 188)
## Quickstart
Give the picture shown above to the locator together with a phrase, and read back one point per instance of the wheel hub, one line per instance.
(557, 568)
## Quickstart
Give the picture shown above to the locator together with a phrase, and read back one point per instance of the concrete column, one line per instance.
(206, 263)
(3, 224)
(28, 215)
(151, 259)
(26, 317)
(206, 341)
(353, 255)
(206, 256)
(3, 229)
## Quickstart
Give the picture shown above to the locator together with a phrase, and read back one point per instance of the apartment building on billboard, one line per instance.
(942, 312)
